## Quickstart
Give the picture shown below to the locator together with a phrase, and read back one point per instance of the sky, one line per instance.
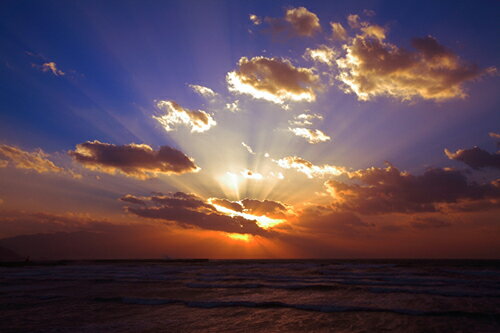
(250, 129)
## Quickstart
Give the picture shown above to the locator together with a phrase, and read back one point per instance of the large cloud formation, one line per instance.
(273, 79)
(373, 67)
(21, 159)
(198, 120)
(388, 190)
(189, 210)
(134, 160)
(475, 157)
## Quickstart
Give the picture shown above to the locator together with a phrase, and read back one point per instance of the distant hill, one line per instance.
(9, 255)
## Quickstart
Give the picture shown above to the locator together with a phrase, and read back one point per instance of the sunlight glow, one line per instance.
(262, 221)
(240, 237)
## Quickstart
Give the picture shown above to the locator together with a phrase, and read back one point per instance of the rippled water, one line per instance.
(252, 295)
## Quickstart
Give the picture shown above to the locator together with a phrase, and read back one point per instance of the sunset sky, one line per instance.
(250, 129)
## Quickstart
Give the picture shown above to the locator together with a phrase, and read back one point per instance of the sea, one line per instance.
(251, 296)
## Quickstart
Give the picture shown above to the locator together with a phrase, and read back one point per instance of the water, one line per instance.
(252, 295)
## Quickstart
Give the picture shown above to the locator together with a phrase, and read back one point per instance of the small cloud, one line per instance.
(303, 22)
(309, 169)
(305, 119)
(353, 21)
(251, 175)
(273, 79)
(322, 54)
(248, 148)
(203, 91)
(134, 160)
(338, 31)
(37, 160)
(234, 106)
(52, 68)
(255, 19)
(312, 136)
(198, 120)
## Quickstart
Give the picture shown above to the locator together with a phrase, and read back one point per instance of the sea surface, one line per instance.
(251, 296)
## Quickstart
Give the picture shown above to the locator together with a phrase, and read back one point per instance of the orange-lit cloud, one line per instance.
(475, 157)
(372, 67)
(198, 120)
(321, 54)
(273, 79)
(309, 169)
(190, 210)
(133, 160)
(386, 190)
(303, 22)
(37, 160)
(312, 136)
(338, 31)
(203, 91)
(52, 68)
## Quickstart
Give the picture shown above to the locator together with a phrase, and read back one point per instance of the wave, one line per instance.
(304, 307)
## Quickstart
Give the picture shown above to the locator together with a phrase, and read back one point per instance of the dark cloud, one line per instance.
(269, 208)
(188, 210)
(386, 190)
(475, 157)
(134, 160)
(232, 205)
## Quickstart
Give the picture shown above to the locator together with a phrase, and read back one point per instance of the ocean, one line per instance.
(251, 296)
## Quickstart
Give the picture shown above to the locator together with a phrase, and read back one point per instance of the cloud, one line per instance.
(52, 68)
(312, 136)
(303, 22)
(269, 208)
(251, 175)
(475, 157)
(37, 160)
(198, 120)
(255, 19)
(248, 148)
(305, 119)
(338, 31)
(273, 79)
(372, 67)
(387, 190)
(189, 210)
(495, 136)
(203, 91)
(429, 223)
(325, 220)
(133, 160)
(353, 21)
(322, 54)
(234, 106)
(307, 168)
